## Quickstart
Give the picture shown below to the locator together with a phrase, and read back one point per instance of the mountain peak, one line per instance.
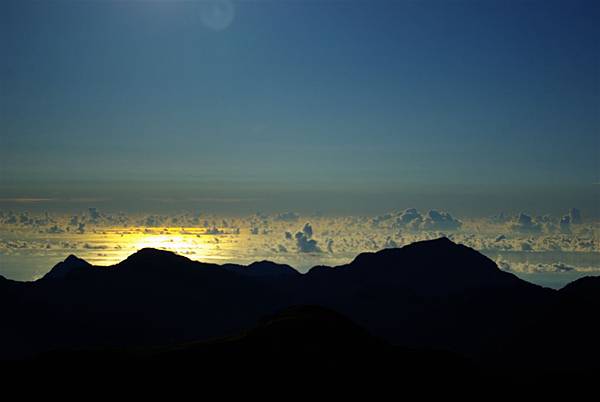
(73, 259)
(424, 246)
(440, 242)
(67, 267)
(585, 287)
(149, 253)
(437, 266)
(152, 259)
(266, 268)
(155, 252)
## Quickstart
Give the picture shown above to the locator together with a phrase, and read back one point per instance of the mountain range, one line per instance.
(429, 305)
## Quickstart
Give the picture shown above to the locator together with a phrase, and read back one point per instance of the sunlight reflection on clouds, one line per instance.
(30, 244)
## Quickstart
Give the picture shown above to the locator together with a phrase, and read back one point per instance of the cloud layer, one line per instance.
(528, 243)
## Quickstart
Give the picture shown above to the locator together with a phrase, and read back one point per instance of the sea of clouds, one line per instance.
(520, 243)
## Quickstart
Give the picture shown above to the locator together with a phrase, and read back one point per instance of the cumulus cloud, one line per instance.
(575, 215)
(305, 244)
(214, 231)
(94, 214)
(390, 243)
(89, 246)
(571, 218)
(10, 219)
(525, 224)
(304, 241)
(500, 218)
(539, 268)
(409, 216)
(565, 224)
(526, 246)
(381, 218)
(330, 246)
(436, 220)
(80, 228)
(55, 229)
(25, 219)
(287, 217)
(153, 221)
(307, 230)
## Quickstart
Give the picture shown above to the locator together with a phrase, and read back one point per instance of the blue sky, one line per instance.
(315, 105)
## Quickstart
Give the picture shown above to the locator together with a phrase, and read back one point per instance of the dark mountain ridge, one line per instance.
(430, 295)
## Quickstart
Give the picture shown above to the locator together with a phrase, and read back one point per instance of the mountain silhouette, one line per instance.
(310, 342)
(426, 297)
(71, 266)
(583, 288)
(264, 269)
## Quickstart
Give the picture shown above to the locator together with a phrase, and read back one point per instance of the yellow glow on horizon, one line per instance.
(194, 243)
(181, 244)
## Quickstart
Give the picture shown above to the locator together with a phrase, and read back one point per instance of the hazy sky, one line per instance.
(344, 106)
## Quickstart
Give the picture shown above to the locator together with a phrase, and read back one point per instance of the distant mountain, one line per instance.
(583, 288)
(430, 295)
(264, 269)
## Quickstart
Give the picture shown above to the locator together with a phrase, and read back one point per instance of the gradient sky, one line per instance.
(346, 106)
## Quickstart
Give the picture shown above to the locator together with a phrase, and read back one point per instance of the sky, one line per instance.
(303, 132)
(334, 106)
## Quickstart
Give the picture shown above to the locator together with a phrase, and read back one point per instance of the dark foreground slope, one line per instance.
(301, 347)
(428, 296)
(303, 350)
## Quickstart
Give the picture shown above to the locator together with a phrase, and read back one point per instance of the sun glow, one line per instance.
(181, 244)
(115, 244)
